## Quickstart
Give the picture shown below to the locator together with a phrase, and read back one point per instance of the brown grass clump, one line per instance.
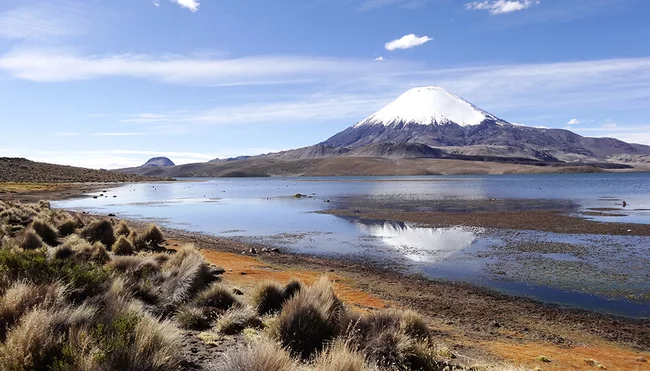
(292, 288)
(186, 273)
(236, 320)
(99, 231)
(21, 297)
(67, 227)
(192, 318)
(268, 298)
(48, 234)
(122, 246)
(122, 229)
(29, 240)
(339, 356)
(308, 320)
(153, 235)
(217, 298)
(392, 339)
(262, 356)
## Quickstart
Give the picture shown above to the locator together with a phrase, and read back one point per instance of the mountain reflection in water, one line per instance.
(420, 244)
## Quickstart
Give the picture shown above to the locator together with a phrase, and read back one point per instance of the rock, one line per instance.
(252, 251)
(237, 292)
(242, 273)
(216, 271)
(275, 249)
(111, 215)
(95, 197)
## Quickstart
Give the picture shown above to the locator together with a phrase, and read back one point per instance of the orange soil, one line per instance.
(575, 358)
(249, 271)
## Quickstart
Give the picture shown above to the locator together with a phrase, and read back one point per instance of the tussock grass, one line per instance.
(46, 232)
(192, 318)
(122, 246)
(268, 298)
(217, 298)
(122, 229)
(186, 273)
(340, 356)
(99, 231)
(308, 320)
(262, 356)
(67, 227)
(292, 288)
(29, 240)
(235, 320)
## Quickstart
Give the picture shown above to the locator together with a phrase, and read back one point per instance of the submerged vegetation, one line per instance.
(80, 293)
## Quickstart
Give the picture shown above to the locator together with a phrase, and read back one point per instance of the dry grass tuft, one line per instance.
(340, 356)
(122, 229)
(152, 235)
(99, 231)
(262, 356)
(217, 298)
(308, 320)
(192, 318)
(29, 240)
(268, 298)
(122, 246)
(292, 288)
(46, 232)
(186, 273)
(236, 320)
(67, 227)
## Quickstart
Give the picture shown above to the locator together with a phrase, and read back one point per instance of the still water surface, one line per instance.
(610, 273)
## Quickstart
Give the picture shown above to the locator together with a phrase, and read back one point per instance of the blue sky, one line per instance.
(111, 83)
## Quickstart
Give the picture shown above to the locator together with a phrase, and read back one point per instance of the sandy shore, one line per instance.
(476, 324)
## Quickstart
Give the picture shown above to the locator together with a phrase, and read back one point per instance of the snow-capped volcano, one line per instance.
(429, 105)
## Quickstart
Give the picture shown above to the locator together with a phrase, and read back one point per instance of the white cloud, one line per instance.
(609, 125)
(379, 59)
(192, 5)
(44, 65)
(501, 6)
(407, 42)
(574, 122)
(40, 22)
(156, 2)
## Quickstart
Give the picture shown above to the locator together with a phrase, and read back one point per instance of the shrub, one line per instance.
(263, 356)
(29, 240)
(192, 318)
(308, 320)
(122, 246)
(99, 231)
(67, 227)
(236, 320)
(268, 298)
(217, 297)
(47, 233)
(122, 229)
(339, 356)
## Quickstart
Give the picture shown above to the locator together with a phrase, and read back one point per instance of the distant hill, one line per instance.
(159, 161)
(20, 170)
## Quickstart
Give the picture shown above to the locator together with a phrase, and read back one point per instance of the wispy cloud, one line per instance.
(106, 134)
(501, 6)
(43, 65)
(609, 125)
(407, 42)
(192, 5)
(574, 122)
(41, 22)
(406, 4)
(379, 59)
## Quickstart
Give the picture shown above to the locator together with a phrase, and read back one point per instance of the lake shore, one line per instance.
(474, 322)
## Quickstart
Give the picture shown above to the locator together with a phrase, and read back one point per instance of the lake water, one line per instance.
(606, 273)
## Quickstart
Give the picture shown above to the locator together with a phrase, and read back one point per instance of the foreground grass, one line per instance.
(78, 293)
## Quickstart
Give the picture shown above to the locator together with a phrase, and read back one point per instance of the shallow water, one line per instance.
(610, 273)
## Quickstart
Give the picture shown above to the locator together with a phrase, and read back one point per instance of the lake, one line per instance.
(598, 272)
